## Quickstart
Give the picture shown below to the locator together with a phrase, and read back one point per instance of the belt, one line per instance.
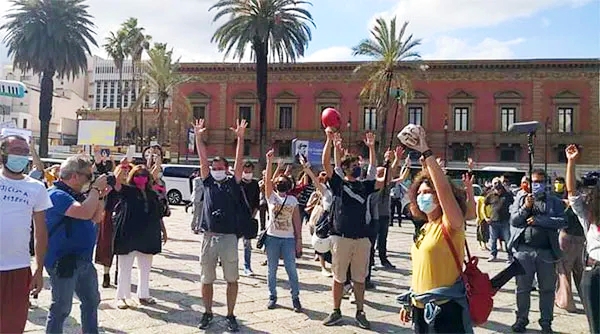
(343, 235)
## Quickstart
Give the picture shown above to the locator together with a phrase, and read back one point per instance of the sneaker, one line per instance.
(232, 324)
(264, 263)
(272, 303)
(547, 329)
(333, 319)
(122, 304)
(106, 281)
(205, 321)
(326, 273)
(296, 305)
(491, 259)
(520, 326)
(369, 285)
(248, 272)
(361, 320)
(387, 264)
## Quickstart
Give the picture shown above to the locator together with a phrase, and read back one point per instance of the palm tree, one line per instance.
(388, 47)
(50, 38)
(115, 47)
(162, 76)
(136, 42)
(281, 27)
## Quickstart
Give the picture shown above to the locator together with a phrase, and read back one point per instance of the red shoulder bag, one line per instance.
(478, 285)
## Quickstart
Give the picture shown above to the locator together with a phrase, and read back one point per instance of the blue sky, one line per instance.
(450, 29)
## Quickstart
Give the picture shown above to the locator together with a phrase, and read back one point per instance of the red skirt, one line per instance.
(14, 299)
(104, 245)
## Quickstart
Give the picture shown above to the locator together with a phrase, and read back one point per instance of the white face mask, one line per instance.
(218, 175)
(247, 176)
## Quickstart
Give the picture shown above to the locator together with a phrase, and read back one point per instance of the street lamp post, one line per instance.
(446, 139)
(547, 129)
(349, 127)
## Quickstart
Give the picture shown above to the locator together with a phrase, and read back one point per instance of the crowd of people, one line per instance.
(94, 210)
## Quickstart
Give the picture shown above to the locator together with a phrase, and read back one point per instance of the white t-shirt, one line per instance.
(282, 226)
(19, 199)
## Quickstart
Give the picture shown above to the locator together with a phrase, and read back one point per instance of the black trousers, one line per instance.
(31, 241)
(449, 320)
(395, 207)
(382, 234)
(590, 290)
(262, 216)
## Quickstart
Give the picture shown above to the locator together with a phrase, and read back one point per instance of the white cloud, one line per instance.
(334, 53)
(430, 17)
(454, 48)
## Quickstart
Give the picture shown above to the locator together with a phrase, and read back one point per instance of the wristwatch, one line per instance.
(426, 154)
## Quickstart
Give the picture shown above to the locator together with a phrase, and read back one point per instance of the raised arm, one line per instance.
(338, 153)
(572, 153)
(278, 170)
(471, 204)
(199, 130)
(267, 179)
(37, 162)
(326, 155)
(309, 173)
(371, 170)
(238, 166)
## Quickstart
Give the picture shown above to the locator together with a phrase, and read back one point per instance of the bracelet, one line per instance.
(426, 154)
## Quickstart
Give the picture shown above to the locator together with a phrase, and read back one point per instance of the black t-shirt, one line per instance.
(350, 201)
(500, 204)
(221, 200)
(252, 192)
(141, 231)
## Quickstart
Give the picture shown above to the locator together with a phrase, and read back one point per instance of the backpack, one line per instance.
(478, 285)
(325, 222)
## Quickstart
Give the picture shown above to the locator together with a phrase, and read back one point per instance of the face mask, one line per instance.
(218, 175)
(282, 187)
(247, 176)
(356, 172)
(425, 203)
(16, 163)
(537, 188)
(559, 187)
(140, 181)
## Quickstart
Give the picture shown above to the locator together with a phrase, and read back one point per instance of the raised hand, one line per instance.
(441, 162)
(370, 139)
(240, 128)
(470, 163)
(280, 163)
(572, 152)
(468, 180)
(407, 161)
(270, 154)
(399, 152)
(199, 127)
(388, 155)
(330, 133)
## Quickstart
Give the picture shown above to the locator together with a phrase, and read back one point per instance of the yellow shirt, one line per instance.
(433, 265)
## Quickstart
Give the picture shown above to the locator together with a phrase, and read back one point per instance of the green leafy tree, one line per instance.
(390, 49)
(279, 27)
(115, 48)
(49, 37)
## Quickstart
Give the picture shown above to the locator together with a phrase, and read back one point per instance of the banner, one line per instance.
(99, 133)
(312, 150)
(26, 134)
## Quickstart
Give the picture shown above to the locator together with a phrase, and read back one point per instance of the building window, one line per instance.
(24, 123)
(460, 153)
(285, 117)
(370, 118)
(561, 156)
(461, 119)
(415, 115)
(245, 112)
(508, 117)
(199, 112)
(508, 155)
(247, 147)
(565, 120)
(284, 149)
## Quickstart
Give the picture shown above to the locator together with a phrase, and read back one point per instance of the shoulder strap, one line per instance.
(448, 239)
(245, 198)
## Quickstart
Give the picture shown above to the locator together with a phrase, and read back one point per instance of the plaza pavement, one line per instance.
(174, 283)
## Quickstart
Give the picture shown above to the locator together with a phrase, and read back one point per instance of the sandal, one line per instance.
(122, 304)
(147, 301)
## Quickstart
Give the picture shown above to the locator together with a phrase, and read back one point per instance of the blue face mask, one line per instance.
(537, 188)
(425, 203)
(356, 172)
(16, 163)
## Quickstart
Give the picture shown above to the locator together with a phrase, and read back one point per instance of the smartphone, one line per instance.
(111, 180)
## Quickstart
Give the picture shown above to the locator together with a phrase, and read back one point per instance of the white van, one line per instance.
(178, 182)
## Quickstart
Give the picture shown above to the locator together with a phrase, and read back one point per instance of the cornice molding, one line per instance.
(433, 65)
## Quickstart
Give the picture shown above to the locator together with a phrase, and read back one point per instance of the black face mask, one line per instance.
(283, 187)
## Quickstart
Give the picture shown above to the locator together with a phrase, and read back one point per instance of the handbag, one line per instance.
(262, 237)
(478, 285)
(248, 224)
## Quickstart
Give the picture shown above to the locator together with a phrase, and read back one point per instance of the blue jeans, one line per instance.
(247, 254)
(276, 248)
(84, 283)
(498, 230)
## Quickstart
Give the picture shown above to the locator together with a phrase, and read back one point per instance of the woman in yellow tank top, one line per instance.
(437, 300)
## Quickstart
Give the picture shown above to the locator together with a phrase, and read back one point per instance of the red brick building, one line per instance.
(479, 100)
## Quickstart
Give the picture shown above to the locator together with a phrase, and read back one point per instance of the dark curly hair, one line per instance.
(423, 177)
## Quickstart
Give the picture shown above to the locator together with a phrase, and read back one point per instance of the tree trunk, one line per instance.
(383, 145)
(161, 120)
(132, 111)
(120, 134)
(45, 107)
(261, 90)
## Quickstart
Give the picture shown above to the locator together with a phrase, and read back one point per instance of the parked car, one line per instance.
(177, 181)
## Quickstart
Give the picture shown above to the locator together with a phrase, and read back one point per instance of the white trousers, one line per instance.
(144, 263)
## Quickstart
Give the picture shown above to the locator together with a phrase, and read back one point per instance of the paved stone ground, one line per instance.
(175, 277)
